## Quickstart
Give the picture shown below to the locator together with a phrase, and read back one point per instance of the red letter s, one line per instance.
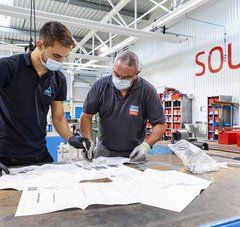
(200, 64)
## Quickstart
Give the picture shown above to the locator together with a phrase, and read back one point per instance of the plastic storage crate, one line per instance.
(227, 137)
(238, 139)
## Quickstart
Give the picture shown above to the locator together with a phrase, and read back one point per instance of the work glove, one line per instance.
(88, 154)
(83, 143)
(3, 168)
(79, 142)
(139, 153)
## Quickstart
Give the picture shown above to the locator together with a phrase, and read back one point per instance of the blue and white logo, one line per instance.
(133, 110)
(48, 91)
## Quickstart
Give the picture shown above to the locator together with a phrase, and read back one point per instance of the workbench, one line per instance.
(218, 202)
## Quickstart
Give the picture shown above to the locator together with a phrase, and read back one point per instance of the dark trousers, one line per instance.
(101, 150)
(44, 158)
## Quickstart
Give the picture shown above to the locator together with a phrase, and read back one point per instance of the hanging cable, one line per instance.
(32, 19)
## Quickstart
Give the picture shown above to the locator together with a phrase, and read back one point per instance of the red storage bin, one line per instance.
(176, 96)
(210, 119)
(227, 137)
(238, 139)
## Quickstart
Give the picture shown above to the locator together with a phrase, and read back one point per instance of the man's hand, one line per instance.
(89, 154)
(3, 168)
(83, 143)
(79, 142)
(139, 152)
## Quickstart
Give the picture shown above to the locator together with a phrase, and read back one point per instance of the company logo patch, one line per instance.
(48, 91)
(133, 110)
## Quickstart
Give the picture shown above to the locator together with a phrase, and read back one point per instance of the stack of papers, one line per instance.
(54, 187)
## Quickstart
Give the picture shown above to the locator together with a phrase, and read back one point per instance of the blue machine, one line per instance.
(78, 111)
(52, 144)
(67, 115)
(226, 115)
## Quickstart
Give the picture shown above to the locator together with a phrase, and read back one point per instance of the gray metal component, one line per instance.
(183, 134)
(186, 110)
(191, 129)
(225, 98)
(201, 145)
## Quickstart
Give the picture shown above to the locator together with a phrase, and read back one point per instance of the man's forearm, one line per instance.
(156, 134)
(86, 127)
(61, 126)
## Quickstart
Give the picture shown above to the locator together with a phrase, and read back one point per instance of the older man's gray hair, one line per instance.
(128, 58)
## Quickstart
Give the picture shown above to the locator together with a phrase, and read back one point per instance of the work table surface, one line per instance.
(220, 201)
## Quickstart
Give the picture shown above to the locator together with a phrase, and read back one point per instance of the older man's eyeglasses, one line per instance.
(123, 77)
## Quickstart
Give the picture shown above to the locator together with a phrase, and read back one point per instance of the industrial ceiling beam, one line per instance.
(135, 21)
(99, 6)
(166, 20)
(18, 49)
(25, 33)
(117, 12)
(12, 48)
(179, 12)
(90, 57)
(16, 31)
(87, 24)
(105, 19)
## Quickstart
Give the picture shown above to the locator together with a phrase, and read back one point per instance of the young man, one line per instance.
(29, 84)
(124, 102)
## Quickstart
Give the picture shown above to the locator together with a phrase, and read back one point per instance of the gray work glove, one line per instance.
(139, 153)
(88, 154)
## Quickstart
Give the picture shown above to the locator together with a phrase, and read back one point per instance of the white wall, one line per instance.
(77, 93)
(174, 65)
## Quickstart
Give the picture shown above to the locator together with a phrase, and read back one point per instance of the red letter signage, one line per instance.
(200, 64)
(230, 64)
(211, 69)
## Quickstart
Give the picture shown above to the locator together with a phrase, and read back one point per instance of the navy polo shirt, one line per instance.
(24, 103)
(122, 119)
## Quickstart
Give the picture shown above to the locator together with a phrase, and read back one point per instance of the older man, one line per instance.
(124, 102)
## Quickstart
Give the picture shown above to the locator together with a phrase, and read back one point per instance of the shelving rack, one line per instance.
(221, 113)
(178, 112)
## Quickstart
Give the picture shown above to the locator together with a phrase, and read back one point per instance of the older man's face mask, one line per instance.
(121, 84)
(123, 76)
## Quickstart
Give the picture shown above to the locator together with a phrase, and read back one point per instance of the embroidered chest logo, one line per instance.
(48, 92)
(133, 110)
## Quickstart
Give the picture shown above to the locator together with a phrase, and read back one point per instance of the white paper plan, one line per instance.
(170, 190)
(65, 174)
(44, 200)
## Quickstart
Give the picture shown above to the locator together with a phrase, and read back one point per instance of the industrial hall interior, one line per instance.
(119, 113)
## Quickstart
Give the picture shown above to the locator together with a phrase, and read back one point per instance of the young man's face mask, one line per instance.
(51, 64)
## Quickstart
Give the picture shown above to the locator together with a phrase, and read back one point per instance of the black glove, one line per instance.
(4, 168)
(77, 141)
